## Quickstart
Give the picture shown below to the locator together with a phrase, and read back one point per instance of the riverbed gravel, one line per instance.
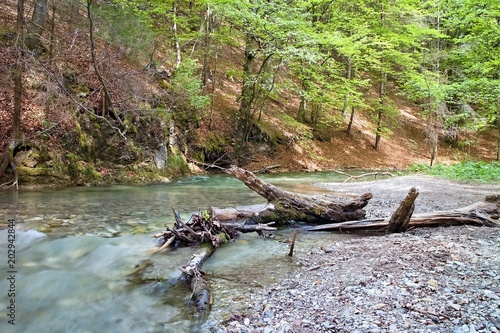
(444, 279)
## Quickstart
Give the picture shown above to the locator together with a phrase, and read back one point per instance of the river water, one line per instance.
(76, 248)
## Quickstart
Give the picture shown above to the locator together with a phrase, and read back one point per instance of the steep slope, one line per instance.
(151, 134)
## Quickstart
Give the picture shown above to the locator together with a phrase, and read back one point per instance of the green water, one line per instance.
(75, 248)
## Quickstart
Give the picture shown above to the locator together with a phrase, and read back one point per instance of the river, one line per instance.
(76, 247)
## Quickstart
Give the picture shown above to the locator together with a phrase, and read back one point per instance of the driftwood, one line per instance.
(401, 218)
(208, 234)
(194, 277)
(350, 178)
(292, 206)
(481, 214)
(350, 215)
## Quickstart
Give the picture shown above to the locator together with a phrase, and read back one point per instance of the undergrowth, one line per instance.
(482, 172)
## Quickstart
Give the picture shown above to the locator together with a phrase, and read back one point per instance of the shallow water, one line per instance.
(75, 248)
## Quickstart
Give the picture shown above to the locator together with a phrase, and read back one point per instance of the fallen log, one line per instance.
(299, 207)
(481, 214)
(193, 277)
(208, 234)
(236, 214)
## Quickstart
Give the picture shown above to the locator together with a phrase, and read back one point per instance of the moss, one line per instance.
(42, 176)
(301, 131)
(80, 89)
(80, 171)
(223, 238)
(177, 164)
(131, 128)
(212, 147)
(269, 133)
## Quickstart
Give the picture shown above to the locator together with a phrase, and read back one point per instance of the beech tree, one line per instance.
(269, 30)
(475, 62)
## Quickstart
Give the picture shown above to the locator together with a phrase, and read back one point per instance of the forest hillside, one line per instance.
(110, 91)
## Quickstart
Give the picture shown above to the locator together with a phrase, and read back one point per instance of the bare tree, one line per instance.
(37, 25)
(107, 102)
(16, 138)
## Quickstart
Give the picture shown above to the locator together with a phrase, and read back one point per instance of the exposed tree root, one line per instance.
(208, 233)
(8, 160)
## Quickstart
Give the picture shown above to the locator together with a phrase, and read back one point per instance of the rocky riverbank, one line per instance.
(426, 280)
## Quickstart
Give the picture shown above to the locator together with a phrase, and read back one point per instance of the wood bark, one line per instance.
(208, 233)
(292, 206)
(194, 277)
(107, 102)
(401, 218)
(16, 138)
(37, 25)
(480, 214)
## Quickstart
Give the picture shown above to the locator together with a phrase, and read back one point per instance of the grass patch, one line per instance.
(482, 172)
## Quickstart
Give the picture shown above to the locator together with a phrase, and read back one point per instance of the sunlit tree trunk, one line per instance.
(206, 30)
(381, 104)
(348, 76)
(302, 112)
(433, 128)
(347, 98)
(380, 112)
(178, 58)
(247, 90)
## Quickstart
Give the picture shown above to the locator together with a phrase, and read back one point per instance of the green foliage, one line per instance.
(186, 85)
(121, 24)
(465, 171)
(302, 131)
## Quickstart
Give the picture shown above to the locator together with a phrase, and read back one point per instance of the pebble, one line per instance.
(376, 291)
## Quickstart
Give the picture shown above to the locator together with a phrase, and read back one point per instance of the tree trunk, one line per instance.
(194, 277)
(302, 112)
(178, 58)
(498, 130)
(401, 218)
(348, 76)
(378, 132)
(36, 26)
(16, 138)
(107, 102)
(247, 91)
(481, 214)
(18, 75)
(292, 206)
(351, 121)
(52, 28)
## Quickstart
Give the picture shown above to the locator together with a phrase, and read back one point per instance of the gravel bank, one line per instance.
(426, 280)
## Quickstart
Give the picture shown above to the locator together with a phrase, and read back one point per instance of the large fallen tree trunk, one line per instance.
(482, 214)
(293, 206)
